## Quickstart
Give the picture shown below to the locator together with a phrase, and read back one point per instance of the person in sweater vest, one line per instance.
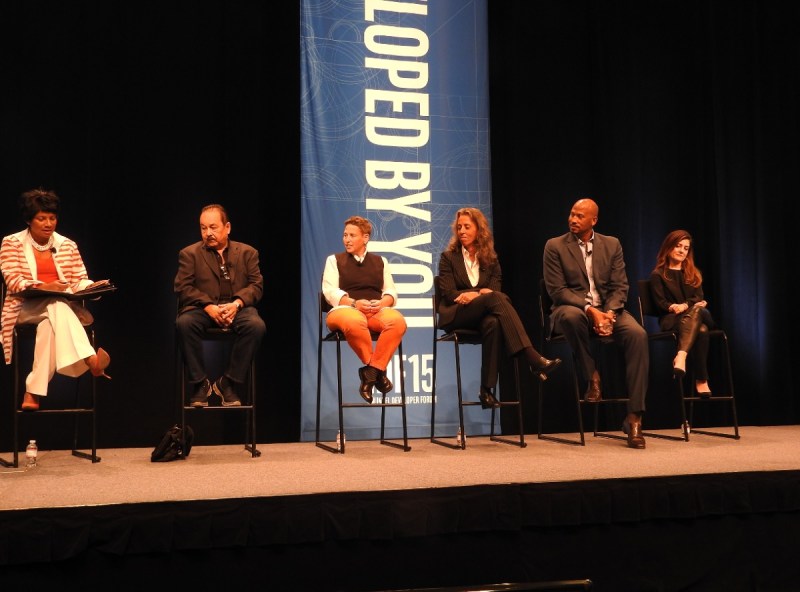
(359, 287)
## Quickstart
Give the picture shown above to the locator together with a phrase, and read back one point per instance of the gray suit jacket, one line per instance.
(198, 277)
(565, 271)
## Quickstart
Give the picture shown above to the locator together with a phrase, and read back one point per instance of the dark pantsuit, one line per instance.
(628, 334)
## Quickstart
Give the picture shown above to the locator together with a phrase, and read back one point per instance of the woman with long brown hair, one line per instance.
(470, 281)
(676, 285)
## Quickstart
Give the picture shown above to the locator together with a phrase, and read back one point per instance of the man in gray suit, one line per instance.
(218, 285)
(584, 273)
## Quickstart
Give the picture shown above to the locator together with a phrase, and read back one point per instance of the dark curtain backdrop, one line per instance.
(138, 114)
(669, 113)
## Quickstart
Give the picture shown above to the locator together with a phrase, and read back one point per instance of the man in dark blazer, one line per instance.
(584, 273)
(218, 284)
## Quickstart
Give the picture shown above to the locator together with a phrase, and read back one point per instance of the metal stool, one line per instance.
(647, 309)
(337, 337)
(460, 337)
(27, 333)
(248, 405)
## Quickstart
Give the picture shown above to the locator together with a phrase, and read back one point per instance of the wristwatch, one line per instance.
(238, 304)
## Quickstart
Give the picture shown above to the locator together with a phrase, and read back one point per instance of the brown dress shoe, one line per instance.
(383, 384)
(633, 427)
(368, 376)
(594, 393)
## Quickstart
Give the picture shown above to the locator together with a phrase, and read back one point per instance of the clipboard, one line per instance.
(82, 295)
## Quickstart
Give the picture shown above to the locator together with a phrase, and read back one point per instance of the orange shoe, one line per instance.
(30, 402)
(99, 362)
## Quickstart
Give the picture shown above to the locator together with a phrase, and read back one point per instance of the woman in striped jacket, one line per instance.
(39, 257)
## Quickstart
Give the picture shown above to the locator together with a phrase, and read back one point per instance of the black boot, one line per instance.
(689, 327)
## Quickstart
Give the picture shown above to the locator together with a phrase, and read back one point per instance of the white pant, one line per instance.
(62, 344)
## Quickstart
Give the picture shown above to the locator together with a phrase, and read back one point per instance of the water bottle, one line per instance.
(340, 439)
(31, 452)
(459, 437)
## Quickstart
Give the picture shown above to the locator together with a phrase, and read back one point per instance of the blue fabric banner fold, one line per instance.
(395, 128)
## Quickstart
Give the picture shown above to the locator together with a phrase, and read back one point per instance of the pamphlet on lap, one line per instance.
(90, 292)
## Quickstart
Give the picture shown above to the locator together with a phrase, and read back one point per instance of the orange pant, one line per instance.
(388, 323)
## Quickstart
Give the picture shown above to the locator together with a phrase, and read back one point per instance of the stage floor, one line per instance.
(127, 476)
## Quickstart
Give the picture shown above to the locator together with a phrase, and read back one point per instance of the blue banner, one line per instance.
(395, 128)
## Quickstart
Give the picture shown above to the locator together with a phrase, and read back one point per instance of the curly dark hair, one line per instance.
(37, 200)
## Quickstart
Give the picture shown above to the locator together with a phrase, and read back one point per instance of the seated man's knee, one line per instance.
(570, 316)
(257, 326)
(185, 323)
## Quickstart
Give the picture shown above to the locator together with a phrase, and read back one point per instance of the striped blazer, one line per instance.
(18, 265)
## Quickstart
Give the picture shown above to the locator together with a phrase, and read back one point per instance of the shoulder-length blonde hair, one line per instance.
(483, 239)
(691, 274)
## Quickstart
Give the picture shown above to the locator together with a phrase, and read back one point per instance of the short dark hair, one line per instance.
(38, 200)
(222, 213)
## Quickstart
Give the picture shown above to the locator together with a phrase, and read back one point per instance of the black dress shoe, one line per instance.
(368, 376)
(383, 384)
(225, 390)
(202, 391)
(545, 367)
(487, 398)
(594, 393)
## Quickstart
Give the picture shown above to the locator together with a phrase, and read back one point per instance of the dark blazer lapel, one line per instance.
(233, 261)
(575, 250)
(461, 269)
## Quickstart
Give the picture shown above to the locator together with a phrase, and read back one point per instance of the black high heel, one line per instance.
(545, 367)
(487, 398)
(677, 371)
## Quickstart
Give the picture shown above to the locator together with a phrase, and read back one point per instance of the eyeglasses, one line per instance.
(223, 268)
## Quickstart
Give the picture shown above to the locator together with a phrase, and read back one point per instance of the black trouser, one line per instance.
(499, 324)
(249, 328)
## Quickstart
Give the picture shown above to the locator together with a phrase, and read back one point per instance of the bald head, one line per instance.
(582, 218)
(587, 205)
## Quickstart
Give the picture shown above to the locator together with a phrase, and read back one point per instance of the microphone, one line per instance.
(588, 250)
